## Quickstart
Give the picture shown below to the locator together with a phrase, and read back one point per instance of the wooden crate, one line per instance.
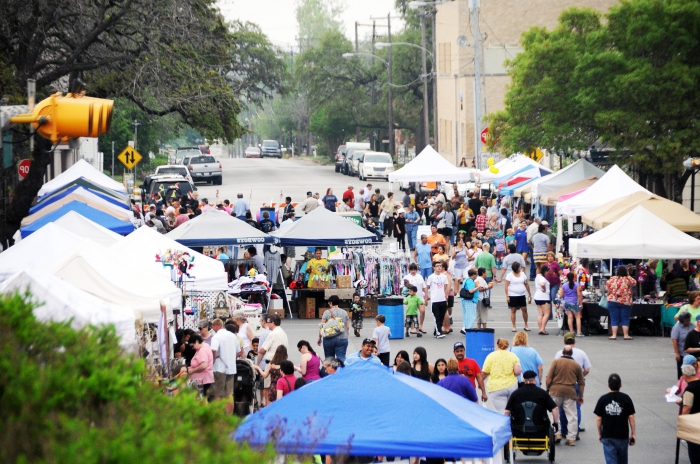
(343, 281)
(309, 309)
(321, 283)
(370, 304)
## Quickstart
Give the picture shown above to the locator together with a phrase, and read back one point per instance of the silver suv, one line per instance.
(271, 149)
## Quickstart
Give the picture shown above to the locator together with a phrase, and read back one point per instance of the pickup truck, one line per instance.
(205, 168)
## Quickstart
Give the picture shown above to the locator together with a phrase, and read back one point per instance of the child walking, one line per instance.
(358, 312)
(381, 336)
(500, 249)
(412, 303)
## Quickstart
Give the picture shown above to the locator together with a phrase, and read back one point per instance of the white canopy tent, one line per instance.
(509, 166)
(637, 236)
(430, 166)
(58, 301)
(80, 169)
(142, 245)
(575, 172)
(103, 273)
(613, 185)
(85, 228)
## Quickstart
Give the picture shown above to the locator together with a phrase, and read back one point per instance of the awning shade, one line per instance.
(551, 198)
(323, 228)
(218, 228)
(105, 220)
(81, 169)
(430, 166)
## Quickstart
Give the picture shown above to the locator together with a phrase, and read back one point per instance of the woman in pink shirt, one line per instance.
(202, 365)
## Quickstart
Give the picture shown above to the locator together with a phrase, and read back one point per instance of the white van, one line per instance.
(350, 148)
(375, 164)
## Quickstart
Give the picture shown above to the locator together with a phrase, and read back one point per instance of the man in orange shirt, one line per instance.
(435, 239)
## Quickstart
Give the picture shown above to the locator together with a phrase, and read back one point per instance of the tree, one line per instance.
(315, 18)
(73, 396)
(630, 83)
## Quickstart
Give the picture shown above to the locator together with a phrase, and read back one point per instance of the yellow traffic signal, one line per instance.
(64, 117)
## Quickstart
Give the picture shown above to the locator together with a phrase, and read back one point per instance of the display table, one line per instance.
(310, 300)
(647, 311)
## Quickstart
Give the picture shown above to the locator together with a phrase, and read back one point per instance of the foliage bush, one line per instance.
(73, 396)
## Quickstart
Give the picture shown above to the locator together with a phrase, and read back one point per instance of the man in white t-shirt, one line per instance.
(225, 348)
(438, 290)
(415, 279)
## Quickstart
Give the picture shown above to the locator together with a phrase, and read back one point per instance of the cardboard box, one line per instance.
(308, 310)
(318, 283)
(370, 304)
(279, 312)
(343, 281)
(276, 304)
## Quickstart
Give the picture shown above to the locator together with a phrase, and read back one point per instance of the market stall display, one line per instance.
(218, 228)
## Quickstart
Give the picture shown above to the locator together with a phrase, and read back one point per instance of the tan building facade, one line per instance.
(501, 23)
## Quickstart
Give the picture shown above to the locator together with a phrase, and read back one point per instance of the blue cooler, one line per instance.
(479, 343)
(392, 309)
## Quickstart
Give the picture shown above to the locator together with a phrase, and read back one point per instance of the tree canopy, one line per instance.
(630, 83)
(73, 396)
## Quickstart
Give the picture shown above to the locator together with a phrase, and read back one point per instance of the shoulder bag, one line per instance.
(333, 327)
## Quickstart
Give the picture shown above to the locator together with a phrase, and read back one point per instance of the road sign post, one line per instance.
(23, 168)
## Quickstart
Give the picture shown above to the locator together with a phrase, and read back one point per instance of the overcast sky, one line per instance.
(278, 21)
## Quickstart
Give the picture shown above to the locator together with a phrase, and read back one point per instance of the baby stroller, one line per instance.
(244, 388)
(532, 436)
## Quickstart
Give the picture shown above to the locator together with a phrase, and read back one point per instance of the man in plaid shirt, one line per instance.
(481, 220)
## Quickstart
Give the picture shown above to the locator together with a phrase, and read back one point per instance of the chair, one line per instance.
(532, 434)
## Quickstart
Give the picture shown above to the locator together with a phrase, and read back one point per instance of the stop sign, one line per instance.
(23, 168)
(485, 135)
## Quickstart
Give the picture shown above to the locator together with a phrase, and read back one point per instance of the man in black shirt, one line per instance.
(474, 202)
(691, 405)
(692, 340)
(615, 410)
(531, 392)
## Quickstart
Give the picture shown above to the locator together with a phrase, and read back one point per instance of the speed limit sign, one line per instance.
(23, 168)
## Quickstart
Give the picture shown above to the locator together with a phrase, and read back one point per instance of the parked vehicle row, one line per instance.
(357, 159)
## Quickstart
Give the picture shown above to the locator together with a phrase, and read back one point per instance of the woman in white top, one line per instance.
(542, 300)
(516, 289)
(245, 330)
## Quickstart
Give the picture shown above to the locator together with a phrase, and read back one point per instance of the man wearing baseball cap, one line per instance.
(365, 354)
(531, 392)
(469, 368)
(692, 340)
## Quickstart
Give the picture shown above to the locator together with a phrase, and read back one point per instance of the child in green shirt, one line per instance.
(412, 303)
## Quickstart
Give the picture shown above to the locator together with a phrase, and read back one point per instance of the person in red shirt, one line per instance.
(350, 196)
(481, 220)
(469, 368)
(285, 384)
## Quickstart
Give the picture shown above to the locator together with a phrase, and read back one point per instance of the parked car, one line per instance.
(339, 158)
(271, 149)
(184, 152)
(178, 169)
(375, 164)
(205, 149)
(162, 183)
(205, 168)
(350, 148)
(252, 152)
(355, 163)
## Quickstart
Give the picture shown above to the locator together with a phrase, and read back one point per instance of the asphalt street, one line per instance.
(645, 364)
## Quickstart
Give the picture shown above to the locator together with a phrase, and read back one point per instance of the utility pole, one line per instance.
(477, 80)
(434, 75)
(392, 148)
(424, 69)
(357, 48)
(372, 98)
(136, 133)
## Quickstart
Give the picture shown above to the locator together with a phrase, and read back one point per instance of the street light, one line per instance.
(424, 66)
(390, 93)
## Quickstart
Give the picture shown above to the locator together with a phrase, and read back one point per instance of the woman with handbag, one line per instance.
(469, 293)
(333, 330)
(620, 301)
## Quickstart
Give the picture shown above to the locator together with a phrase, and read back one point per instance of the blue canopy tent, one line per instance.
(218, 228)
(83, 182)
(316, 420)
(508, 190)
(78, 189)
(105, 220)
(324, 228)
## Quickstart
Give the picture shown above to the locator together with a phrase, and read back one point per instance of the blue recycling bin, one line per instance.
(479, 343)
(392, 309)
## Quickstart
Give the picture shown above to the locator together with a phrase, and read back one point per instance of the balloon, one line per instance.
(493, 170)
(490, 162)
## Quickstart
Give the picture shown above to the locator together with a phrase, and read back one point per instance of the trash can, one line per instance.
(392, 308)
(479, 343)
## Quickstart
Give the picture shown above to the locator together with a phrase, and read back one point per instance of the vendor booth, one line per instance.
(313, 421)
(429, 165)
(571, 174)
(104, 274)
(147, 249)
(612, 185)
(58, 301)
(551, 198)
(669, 211)
(324, 228)
(76, 192)
(85, 228)
(48, 243)
(105, 220)
(121, 197)
(510, 165)
(81, 169)
(215, 228)
(85, 197)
